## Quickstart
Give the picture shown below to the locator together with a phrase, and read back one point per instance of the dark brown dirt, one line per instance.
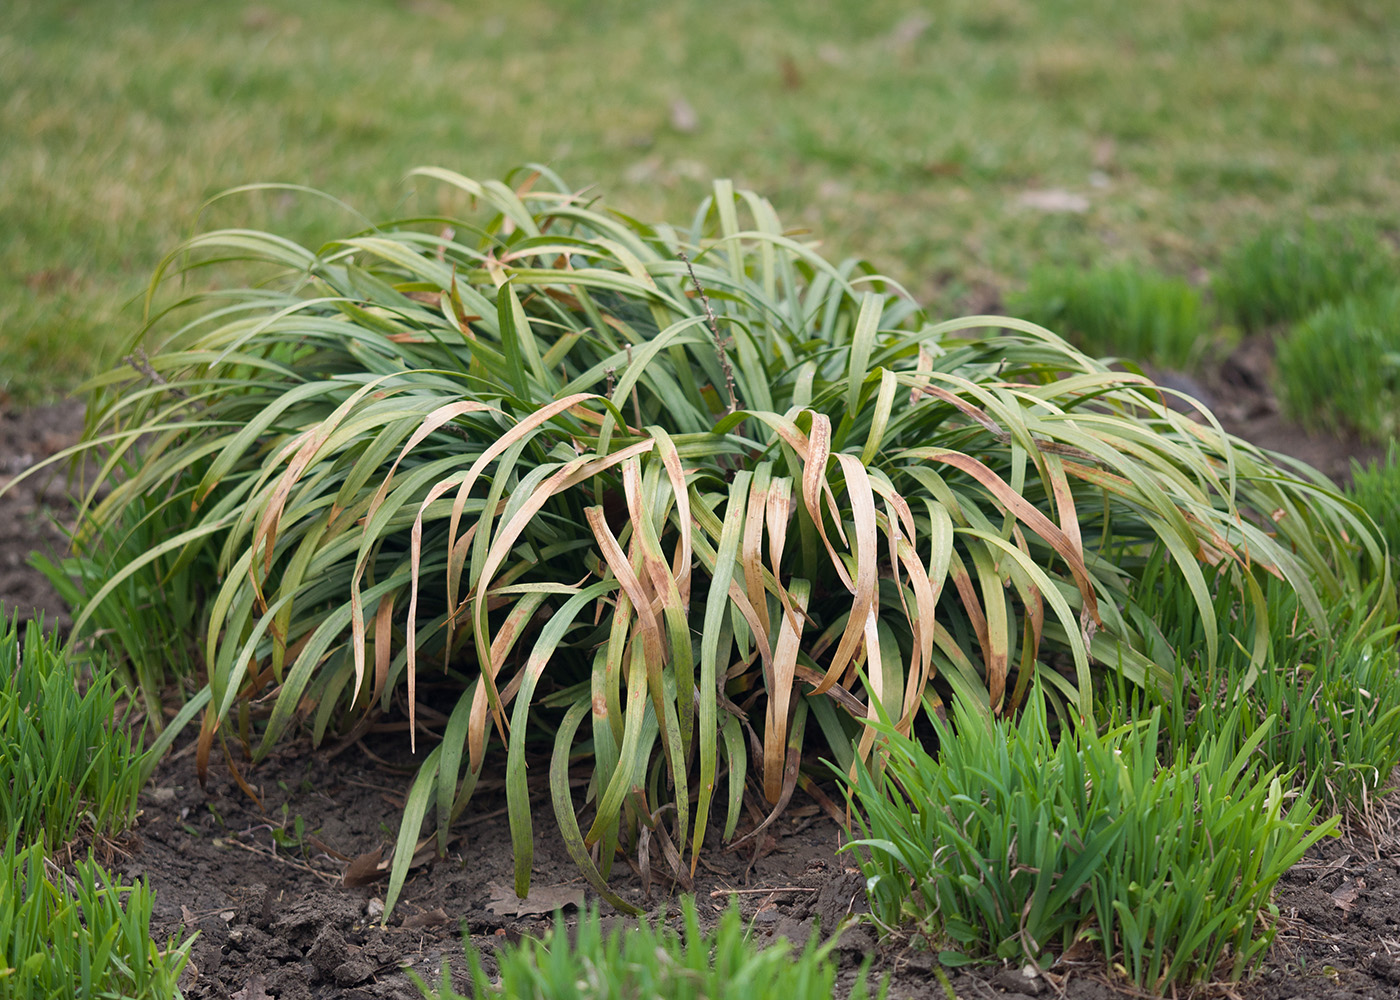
(270, 907)
(276, 921)
(32, 512)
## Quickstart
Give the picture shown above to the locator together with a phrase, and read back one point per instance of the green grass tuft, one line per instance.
(147, 621)
(653, 961)
(1339, 368)
(1120, 311)
(1013, 846)
(81, 936)
(1376, 487)
(1331, 687)
(66, 756)
(1288, 271)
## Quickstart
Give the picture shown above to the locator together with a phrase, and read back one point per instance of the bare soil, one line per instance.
(276, 918)
(265, 883)
(34, 513)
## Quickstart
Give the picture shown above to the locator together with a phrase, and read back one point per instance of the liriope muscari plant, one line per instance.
(688, 489)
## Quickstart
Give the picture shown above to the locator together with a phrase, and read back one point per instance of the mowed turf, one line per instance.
(956, 145)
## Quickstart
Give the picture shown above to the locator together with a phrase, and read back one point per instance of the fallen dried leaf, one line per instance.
(1344, 896)
(365, 870)
(253, 991)
(542, 899)
(908, 31)
(429, 918)
(683, 116)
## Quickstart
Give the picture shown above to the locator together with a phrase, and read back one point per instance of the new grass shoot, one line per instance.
(1014, 845)
(79, 936)
(67, 757)
(1339, 369)
(1121, 311)
(654, 960)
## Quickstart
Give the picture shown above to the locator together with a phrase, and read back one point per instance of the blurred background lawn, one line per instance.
(957, 144)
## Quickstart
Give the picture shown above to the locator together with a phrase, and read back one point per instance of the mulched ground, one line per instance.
(277, 919)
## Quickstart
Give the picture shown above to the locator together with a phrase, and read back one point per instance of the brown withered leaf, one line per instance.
(792, 76)
(429, 918)
(1344, 896)
(253, 991)
(367, 869)
(325, 848)
(1081, 952)
(542, 899)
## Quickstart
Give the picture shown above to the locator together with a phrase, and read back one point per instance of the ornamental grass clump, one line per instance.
(654, 961)
(695, 501)
(1013, 845)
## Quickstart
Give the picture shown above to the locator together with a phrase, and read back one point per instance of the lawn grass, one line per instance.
(906, 138)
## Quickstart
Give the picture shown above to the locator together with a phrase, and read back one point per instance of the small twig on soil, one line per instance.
(382, 789)
(274, 855)
(355, 735)
(283, 859)
(387, 765)
(720, 342)
(717, 893)
(483, 817)
(1324, 870)
(184, 751)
